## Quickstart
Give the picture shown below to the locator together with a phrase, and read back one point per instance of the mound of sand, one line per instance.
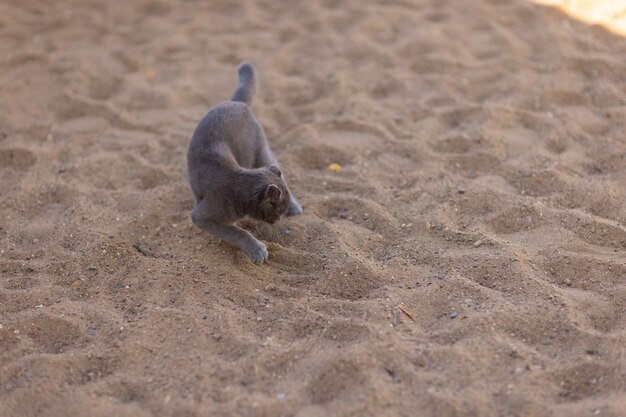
(468, 259)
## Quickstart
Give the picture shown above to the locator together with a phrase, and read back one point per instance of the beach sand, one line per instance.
(469, 258)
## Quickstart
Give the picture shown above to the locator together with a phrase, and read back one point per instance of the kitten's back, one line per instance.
(231, 124)
(227, 139)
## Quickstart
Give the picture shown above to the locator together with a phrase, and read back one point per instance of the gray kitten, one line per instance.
(233, 173)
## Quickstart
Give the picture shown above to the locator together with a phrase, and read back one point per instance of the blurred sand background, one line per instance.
(483, 192)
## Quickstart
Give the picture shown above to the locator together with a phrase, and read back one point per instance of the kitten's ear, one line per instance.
(275, 170)
(273, 192)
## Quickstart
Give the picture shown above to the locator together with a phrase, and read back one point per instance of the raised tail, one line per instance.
(247, 84)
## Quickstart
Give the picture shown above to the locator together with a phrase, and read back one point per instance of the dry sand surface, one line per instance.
(468, 260)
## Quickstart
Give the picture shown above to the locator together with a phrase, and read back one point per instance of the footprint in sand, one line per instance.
(17, 159)
(594, 312)
(51, 333)
(352, 280)
(596, 233)
(586, 381)
(585, 272)
(152, 178)
(537, 183)
(456, 144)
(501, 274)
(333, 379)
(516, 220)
(18, 276)
(320, 156)
(471, 165)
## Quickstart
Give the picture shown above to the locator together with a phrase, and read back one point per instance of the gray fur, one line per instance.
(233, 173)
(247, 85)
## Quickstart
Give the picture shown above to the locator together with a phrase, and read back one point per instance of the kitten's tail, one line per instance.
(247, 84)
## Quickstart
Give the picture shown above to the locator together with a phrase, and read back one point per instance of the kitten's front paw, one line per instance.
(259, 253)
(294, 208)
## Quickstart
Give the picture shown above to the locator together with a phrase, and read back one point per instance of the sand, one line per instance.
(469, 259)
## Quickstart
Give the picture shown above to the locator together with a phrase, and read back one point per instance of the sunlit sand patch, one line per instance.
(608, 13)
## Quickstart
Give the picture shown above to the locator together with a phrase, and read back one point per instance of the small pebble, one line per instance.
(143, 249)
(280, 396)
(336, 168)
(568, 281)
(454, 315)
(478, 243)
(286, 231)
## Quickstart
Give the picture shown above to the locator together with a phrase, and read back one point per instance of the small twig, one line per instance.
(148, 349)
(407, 312)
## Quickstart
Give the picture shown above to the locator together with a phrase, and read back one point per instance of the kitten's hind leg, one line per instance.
(256, 250)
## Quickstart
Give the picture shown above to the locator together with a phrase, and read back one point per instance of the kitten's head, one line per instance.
(272, 196)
